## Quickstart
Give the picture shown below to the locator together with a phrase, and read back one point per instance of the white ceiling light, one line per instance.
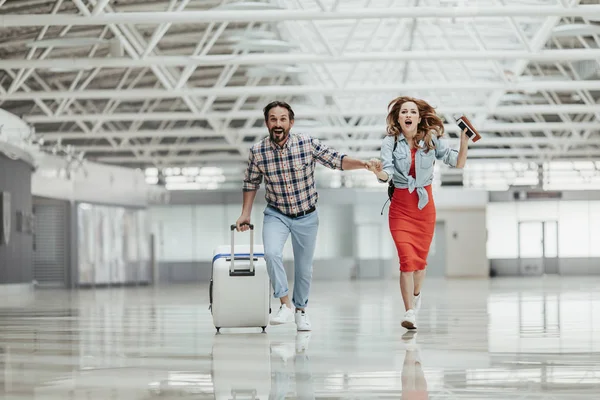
(210, 171)
(190, 171)
(192, 186)
(576, 30)
(210, 178)
(151, 171)
(67, 42)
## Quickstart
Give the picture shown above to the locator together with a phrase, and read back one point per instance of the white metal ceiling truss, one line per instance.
(183, 82)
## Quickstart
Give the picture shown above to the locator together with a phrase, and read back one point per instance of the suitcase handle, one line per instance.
(231, 266)
(245, 223)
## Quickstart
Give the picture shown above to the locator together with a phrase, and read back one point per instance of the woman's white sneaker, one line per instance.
(417, 303)
(410, 320)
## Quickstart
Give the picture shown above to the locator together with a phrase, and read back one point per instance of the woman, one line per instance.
(408, 154)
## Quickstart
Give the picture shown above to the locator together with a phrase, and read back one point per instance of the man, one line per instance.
(287, 163)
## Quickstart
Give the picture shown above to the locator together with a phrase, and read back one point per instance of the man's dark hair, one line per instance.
(276, 103)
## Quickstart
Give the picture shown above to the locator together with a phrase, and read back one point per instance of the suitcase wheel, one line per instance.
(218, 329)
(264, 328)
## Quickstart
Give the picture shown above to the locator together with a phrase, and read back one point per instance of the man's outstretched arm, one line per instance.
(349, 163)
(333, 159)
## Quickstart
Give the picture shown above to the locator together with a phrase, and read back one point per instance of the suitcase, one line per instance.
(239, 288)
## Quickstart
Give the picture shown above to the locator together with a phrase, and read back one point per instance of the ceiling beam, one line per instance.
(303, 58)
(488, 126)
(216, 15)
(302, 112)
(537, 43)
(387, 90)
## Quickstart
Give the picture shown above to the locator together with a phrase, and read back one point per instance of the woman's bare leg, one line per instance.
(407, 288)
(419, 277)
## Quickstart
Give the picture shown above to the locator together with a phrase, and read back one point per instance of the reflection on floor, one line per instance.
(528, 338)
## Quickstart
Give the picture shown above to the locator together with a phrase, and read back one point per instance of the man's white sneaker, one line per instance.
(417, 303)
(284, 316)
(409, 321)
(302, 321)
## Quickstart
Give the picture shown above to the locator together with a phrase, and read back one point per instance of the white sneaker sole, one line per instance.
(277, 322)
(304, 329)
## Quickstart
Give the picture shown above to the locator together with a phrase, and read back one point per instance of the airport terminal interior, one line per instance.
(127, 128)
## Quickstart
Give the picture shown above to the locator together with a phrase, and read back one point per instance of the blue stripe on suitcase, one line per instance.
(237, 255)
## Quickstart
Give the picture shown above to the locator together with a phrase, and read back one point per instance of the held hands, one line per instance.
(374, 165)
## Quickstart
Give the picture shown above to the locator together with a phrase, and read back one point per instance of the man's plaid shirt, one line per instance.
(289, 171)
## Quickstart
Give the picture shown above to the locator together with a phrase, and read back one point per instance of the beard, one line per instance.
(278, 135)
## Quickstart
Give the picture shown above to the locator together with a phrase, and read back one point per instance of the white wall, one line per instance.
(192, 232)
(572, 234)
(466, 254)
(351, 226)
(578, 226)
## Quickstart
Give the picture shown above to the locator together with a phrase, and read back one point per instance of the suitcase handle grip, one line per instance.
(242, 272)
(231, 266)
(234, 226)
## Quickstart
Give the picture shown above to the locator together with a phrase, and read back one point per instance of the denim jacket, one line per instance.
(397, 165)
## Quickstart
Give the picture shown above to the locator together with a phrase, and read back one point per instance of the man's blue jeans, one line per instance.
(276, 230)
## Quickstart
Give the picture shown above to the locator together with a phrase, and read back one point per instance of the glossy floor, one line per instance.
(527, 338)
